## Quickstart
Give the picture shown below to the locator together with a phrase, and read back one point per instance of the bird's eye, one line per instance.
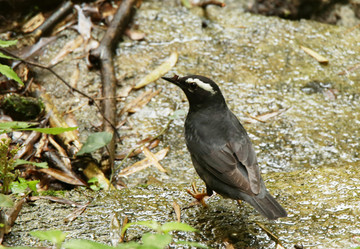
(193, 86)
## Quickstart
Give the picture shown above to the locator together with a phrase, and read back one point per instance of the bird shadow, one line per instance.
(224, 222)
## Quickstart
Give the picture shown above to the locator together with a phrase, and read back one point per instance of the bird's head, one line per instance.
(199, 90)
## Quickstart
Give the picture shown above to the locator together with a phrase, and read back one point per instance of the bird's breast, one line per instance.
(206, 128)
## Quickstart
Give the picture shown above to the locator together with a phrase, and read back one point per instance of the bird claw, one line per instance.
(199, 196)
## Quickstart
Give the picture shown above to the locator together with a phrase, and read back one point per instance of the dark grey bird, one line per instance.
(220, 148)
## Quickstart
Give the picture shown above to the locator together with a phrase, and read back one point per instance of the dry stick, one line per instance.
(102, 57)
(64, 9)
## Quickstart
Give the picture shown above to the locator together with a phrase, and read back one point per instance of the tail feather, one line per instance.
(267, 206)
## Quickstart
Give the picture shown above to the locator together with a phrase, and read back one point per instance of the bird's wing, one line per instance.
(231, 167)
(233, 161)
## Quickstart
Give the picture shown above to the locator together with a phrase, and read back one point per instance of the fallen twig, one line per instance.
(63, 10)
(102, 57)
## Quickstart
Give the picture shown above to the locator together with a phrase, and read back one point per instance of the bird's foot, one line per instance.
(199, 196)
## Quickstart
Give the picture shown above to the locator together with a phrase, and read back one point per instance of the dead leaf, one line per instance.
(115, 230)
(30, 51)
(13, 214)
(84, 24)
(228, 245)
(107, 11)
(315, 55)
(75, 77)
(153, 159)
(55, 199)
(159, 71)
(139, 101)
(61, 176)
(177, 210)
(137, 151)
(124, 91)
(71, 217)
(134, 34)
(264, 117)
(41, 145)
(143, 164)
(67, 49)
(63, 155)
(33, 23)
(92, 170)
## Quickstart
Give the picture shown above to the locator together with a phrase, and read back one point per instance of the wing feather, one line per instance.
(231, 160)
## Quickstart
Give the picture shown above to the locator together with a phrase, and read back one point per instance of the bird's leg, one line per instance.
(199, 196)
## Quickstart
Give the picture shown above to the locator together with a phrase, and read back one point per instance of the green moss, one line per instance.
(22, 108)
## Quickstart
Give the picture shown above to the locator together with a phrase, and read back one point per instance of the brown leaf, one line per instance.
(56, 199)
(165, 67)
(134, 34)
(63, 155)
(139, 101)
(264, 117)
(177, 210)
(84, 24)
(154, 161)
(92, 170)
(33, 23)
(315, 55)
(75, 76)
(67, 49)
(61, 176)
(143, 164)
(71, 217)
(136, 152)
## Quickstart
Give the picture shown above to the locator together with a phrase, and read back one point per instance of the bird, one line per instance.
(220, 148)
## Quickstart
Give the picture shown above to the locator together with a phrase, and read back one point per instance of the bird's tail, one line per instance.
(267, 206)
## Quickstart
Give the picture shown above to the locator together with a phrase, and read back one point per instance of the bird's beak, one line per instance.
(174, 79)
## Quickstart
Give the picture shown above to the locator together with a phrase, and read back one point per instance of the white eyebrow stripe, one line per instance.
(203, 85)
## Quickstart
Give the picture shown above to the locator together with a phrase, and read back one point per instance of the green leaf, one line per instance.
(51, 131)
(5, 44)
(93, 180)
(10, 73)
(16, 247)
(186, 3)
(81, 243)
(8, 126)
(129, 245)
(192, 244)
(32, 185)
(95, 141)
(148, 223)
(5, 201)
(156, 240)
(18, 187)
(43, 165)
(21, 186)
(54, 236)
(6, 56)
(176, 226)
